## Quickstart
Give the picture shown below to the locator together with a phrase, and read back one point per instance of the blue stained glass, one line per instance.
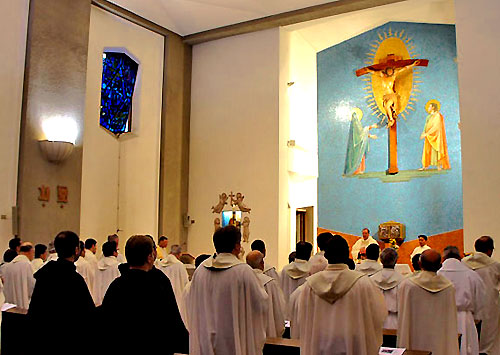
(119, 73)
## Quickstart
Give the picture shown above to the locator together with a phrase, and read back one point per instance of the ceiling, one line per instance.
(191, 16)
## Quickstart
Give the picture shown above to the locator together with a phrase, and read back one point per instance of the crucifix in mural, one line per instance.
(392, 89)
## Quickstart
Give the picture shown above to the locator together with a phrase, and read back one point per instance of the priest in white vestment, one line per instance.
(370, 265)
(361, 244)
(331, 318)
(294, 274)
(427, 313)
(86, 270)
(90, 252)
(18, 276)
(107, 271)
(318, 261)
(422, 246)
(489, 270)
(269, 270)
(277, 307)
(388, 280)
(469, 297)
(226, 305)
(41, 255)
(177, 274)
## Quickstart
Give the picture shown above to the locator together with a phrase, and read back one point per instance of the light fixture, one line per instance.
(61, 133)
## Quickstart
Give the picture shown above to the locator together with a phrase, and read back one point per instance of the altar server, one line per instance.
(469, 297)
(18, 276)
(318, 261)
(422, 246)
(427, 314)
(388, 281)
(276, 312)
(370, 265)
(330, 318)
(294, 274)
(226, 305)
(107, 271)
(489, 270)
(175, 271)
(361, 244)
(269, 270)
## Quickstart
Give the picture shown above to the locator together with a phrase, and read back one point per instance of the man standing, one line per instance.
(269, 270)
(318, 261)
(162, 247)
(370, 265)
(388, 281)
(294, 274)
(336, 294)
(469, 297)
(115, 238)
(489, 270)
(427, 314)
(19, 280)
(226, 305)
(61, 295)
(84, 268)
(361, 244)
(276, 313)
(90, 251)
(13, 251)
(125, 301)
(175, 271)
(41, 255)
(435, 150)
(107, 271)
(422, 246)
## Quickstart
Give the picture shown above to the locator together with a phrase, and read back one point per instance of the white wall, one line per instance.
(234, 135)
(478, 25)
(13, 31)
(121, 176)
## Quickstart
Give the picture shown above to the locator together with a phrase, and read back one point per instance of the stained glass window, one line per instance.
(119, 73)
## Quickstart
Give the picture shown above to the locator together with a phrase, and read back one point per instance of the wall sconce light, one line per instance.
(61, 133)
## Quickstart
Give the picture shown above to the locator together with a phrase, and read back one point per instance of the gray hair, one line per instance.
(254, 259)
(175, 249)
(389, 257)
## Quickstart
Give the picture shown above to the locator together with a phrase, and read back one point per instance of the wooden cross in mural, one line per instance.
(389, 69)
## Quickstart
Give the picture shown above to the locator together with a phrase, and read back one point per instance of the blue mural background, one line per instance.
(429, 205)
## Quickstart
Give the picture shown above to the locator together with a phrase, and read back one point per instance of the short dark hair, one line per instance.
(451, 252)
(66, 243)
(337, 250)
(225, 239)
(26, 248)
(372, 251)
(422, 236)
(365, 229)
(484, 244)
(9, 255)
(258, 245)
(113, 238)
(109, 248)
(138, 248)
(14, 243)
(89, 243)
(291, 257)
(303, 250)
(414, 262)
(200, 258)
(162, 238)
(389, 257)
(323, 239)
(40, 249)
(82, 246)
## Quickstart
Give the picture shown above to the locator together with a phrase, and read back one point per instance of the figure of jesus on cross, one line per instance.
(389, 70)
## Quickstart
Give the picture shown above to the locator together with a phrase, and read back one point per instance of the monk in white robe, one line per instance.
(318, 261)
(489, 270)
(294, 274)
(107, 271)
(269, 270)
(85, 269)
(18, 276)
(361, 244)
(226, 305)
(370, 265)
(276, 312)
(469, 297)
(177, 274)
(388, 281)
(90, 251)
(427, 314)
(119, 256)
(331, 320)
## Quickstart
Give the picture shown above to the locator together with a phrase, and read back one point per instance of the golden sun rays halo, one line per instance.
(358, 113)
(428, 104)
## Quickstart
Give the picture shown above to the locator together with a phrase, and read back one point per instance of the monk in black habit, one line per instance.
(140, 307)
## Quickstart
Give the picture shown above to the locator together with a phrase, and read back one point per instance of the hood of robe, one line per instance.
(478, 260)
(222, 261)
(297, 269)
(430, 281)
(107, 262)
(453, 265)
(263, 279)
(369, 267)
(267, 268)
(387, 279)
(168, 261)
(20, 259)
(334, 282)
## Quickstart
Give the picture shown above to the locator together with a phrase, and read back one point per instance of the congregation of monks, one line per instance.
(151, 299)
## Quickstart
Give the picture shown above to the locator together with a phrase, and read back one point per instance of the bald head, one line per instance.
(484, 245)
(430, 260)
(256, 260)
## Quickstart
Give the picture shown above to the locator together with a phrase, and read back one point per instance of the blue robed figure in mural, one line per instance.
(358, 144)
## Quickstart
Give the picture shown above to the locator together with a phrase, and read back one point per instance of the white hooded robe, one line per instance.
(293, 275)
(19, 281)
(276, 312)
(107, 271)
(388, 281)
(176, 273)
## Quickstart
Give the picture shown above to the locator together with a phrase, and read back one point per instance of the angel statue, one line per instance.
(239, 202)
(246, 229)
(216, 224)
(222, 202)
